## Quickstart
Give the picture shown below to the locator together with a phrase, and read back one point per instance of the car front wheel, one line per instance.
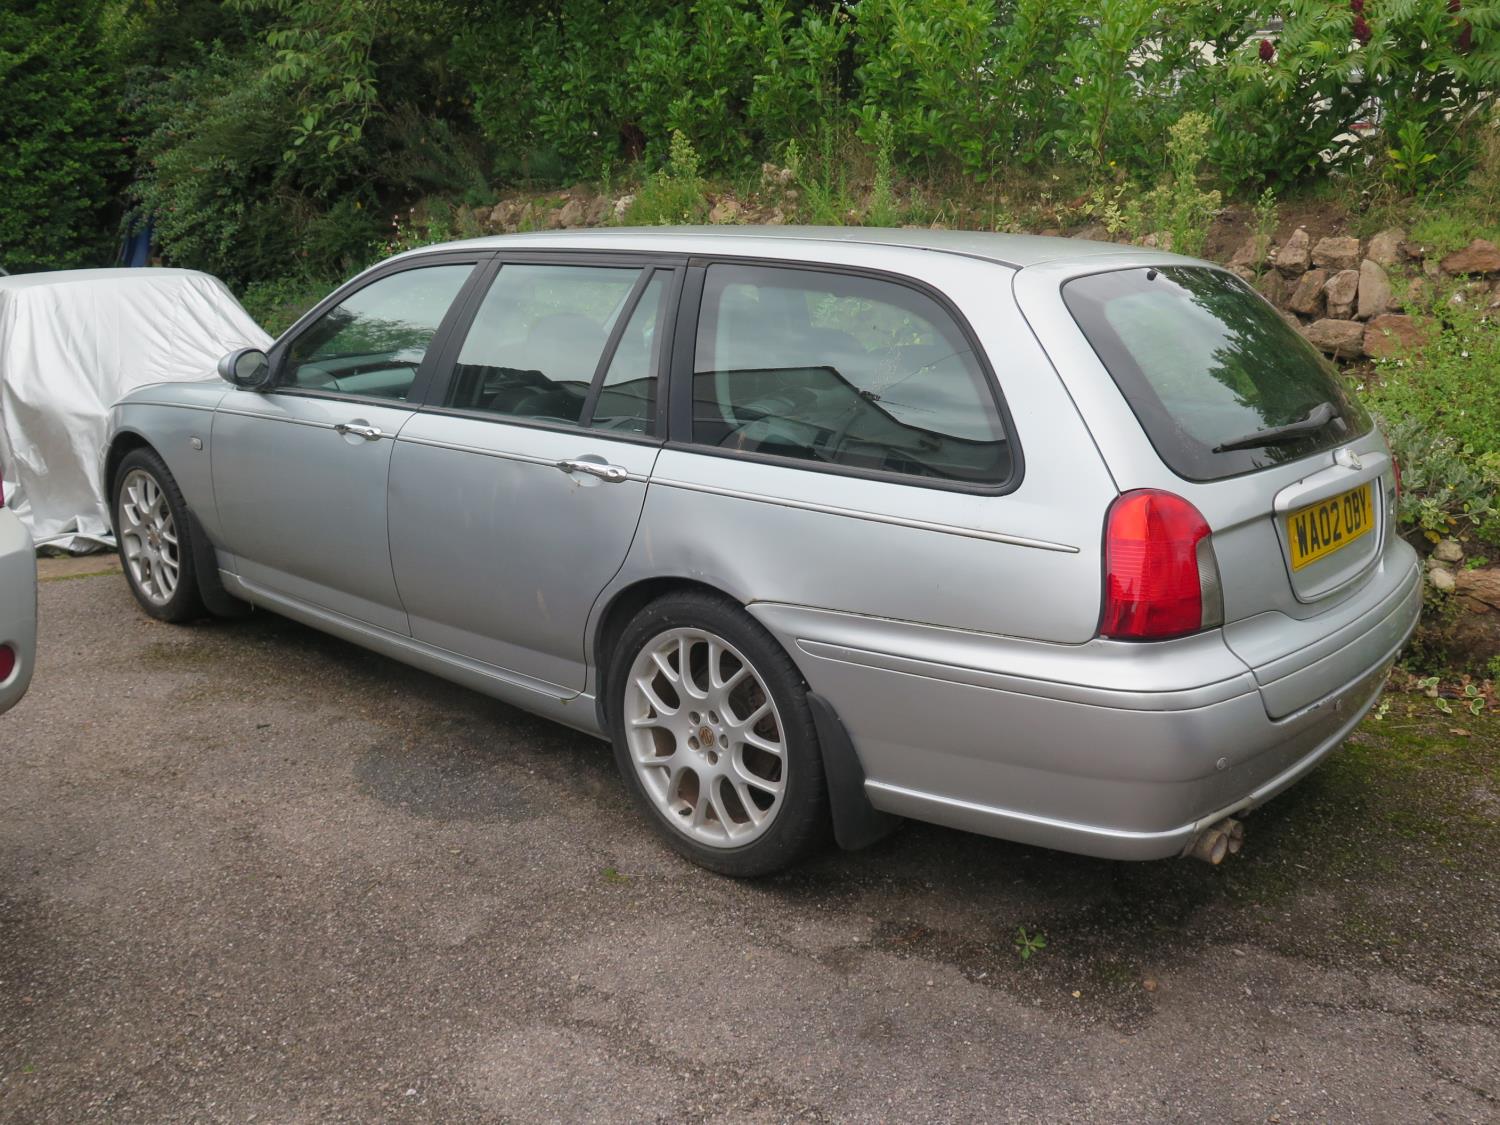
(151, 524)
(714, 737)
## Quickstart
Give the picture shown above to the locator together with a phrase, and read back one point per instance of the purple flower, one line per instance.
(1361, 30)
(1267, 50)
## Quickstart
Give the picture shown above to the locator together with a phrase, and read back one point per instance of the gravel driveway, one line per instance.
(248, 872)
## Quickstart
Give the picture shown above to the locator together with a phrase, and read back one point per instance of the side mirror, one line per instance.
(246, 368)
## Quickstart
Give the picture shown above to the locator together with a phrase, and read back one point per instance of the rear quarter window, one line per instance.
(1213, 373)
(845, 371)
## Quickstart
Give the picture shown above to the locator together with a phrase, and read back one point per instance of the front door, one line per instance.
(300, 471)
(514, 500)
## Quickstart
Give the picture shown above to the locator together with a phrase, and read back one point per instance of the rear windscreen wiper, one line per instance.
(1318, 417)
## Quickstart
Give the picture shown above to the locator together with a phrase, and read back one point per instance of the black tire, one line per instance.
(185, 603)
(801, 823)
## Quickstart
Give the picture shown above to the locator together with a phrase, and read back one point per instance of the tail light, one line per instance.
(7, 662)
(1396, 475)
(1160, 575)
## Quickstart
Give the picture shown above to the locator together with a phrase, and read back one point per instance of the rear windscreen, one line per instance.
(1220, 382)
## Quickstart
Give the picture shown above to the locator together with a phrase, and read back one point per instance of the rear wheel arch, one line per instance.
(621, 609)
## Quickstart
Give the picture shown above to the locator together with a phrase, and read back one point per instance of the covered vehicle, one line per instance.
(72, 342)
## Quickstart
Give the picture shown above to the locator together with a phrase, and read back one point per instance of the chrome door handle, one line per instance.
(614, 474)
(369, 433)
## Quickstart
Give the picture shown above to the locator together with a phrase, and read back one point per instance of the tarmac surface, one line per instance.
(252, 873)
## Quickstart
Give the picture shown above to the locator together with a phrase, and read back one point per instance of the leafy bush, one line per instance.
(213, 180)
(1446, 488)
(60, 155)
(1289, 103)
(1444, 424)
(276, 305)
(1177, 207)
(882, 209)
(673, 195)
(1450, 382)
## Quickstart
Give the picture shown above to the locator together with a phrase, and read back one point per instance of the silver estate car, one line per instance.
(1069, 543)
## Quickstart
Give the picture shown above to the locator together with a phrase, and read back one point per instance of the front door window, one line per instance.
(374, 341)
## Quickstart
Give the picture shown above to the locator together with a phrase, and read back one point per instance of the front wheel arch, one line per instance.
(218, 601)
(125, 442)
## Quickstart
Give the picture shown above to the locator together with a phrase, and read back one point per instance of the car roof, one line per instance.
(1014, 250)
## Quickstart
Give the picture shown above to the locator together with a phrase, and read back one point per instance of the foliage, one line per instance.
(1407, 162)
(1029, 944)
(823, 178)
(1178, 207)
(60, 154)
(268, 160)
(276, 305)
(1264, 213)
(1450, 381)
(924, 65)
(675, 193)
(882, 209)
(1447, 488)
(1336, 64)
(213, 180)
(323, 52)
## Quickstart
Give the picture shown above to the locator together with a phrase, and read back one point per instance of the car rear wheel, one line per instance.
(714, 737)
(152, 525)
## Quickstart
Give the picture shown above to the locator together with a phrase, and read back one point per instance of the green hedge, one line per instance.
(60, 150)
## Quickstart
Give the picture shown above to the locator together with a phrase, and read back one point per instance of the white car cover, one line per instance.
(71, 344)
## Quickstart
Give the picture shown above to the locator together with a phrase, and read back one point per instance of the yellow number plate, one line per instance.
(1320, 529)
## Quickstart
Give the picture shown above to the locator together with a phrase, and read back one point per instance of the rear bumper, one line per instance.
(1107, 749)
(17, 605)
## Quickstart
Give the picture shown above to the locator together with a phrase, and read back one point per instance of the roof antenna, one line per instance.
(1150, 275)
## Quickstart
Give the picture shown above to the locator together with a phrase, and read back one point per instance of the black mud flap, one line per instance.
(856, 823)
(217, 600)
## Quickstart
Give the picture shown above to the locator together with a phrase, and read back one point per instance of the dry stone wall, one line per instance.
(1353, 298)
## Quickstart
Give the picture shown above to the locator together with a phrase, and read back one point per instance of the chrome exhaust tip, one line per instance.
(1214, 843)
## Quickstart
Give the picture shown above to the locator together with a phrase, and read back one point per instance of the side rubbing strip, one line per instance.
(873, 517)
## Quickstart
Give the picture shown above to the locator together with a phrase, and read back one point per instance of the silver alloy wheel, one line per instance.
(148, 537)
(705, 737)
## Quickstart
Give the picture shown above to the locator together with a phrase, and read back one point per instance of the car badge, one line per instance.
(1349, 459)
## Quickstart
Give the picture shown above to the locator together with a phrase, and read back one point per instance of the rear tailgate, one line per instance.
(1192, 383)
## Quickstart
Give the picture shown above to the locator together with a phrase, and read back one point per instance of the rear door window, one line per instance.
(1220, 382)
(843, 371)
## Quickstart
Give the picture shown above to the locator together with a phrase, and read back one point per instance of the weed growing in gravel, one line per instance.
(1028, 944)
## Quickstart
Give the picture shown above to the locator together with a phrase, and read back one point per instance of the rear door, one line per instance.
(514, 495)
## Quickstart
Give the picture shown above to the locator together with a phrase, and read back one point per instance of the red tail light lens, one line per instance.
(7, 662)
(1396, 473)
(1153, 585)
